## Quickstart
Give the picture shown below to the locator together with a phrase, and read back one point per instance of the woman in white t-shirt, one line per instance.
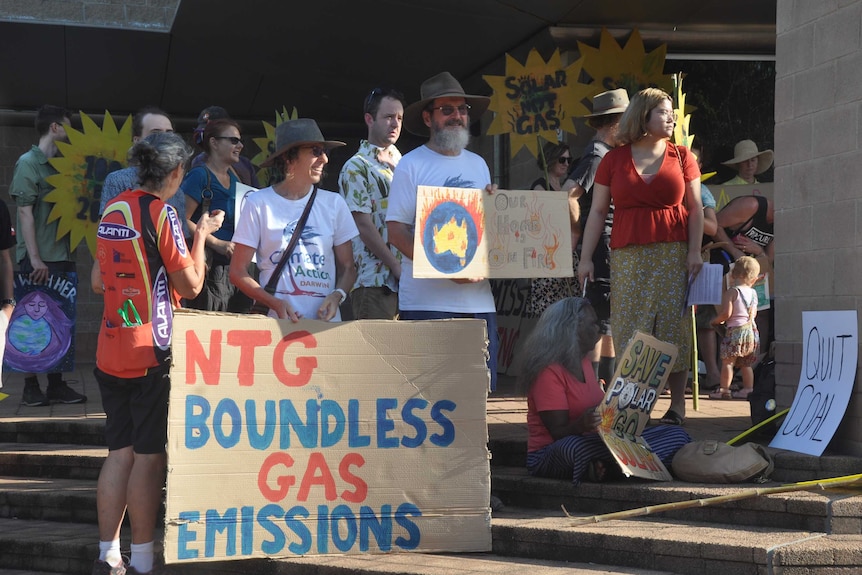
(320, 270)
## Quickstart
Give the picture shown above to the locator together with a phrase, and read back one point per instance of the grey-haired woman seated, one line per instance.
(562, 396)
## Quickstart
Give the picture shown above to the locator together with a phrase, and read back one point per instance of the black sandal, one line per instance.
(672, 418)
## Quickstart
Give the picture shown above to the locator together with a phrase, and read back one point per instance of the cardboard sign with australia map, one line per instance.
(639, 379)
(468, 233)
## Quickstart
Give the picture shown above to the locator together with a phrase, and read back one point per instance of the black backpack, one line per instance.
(762, 398)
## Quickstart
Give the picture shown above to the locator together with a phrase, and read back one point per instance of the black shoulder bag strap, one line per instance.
(206, 193)
(270, 286)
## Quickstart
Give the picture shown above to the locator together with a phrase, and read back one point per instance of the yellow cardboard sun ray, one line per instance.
(612, 66)
(536, 99)
(83, 163)
(267, 144)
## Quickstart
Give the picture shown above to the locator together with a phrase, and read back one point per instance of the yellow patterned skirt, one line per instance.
(647, 292)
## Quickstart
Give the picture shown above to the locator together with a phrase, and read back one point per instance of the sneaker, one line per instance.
(33, 396)
(62, 393)
(105, 568)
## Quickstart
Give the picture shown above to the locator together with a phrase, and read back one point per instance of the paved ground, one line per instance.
(507, 411)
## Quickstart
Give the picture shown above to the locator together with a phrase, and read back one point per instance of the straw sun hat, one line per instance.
(745, 150)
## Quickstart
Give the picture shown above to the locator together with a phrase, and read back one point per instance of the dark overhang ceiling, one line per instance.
(255, 57)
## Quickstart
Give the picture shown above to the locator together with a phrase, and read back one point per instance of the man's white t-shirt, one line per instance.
(267, 223)
(425, 167)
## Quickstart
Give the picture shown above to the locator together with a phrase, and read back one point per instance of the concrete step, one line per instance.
(62, 461)
(676, 546)
(89, 431)
(506, 450)
(59, 483)
(39, 548)
(524, 541)
(790, 467)
(836, 511)
(48, 499)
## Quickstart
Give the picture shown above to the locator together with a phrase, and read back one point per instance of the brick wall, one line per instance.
(818, 181)
(129, 14)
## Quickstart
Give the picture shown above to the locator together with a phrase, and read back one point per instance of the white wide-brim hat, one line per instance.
(747, 149)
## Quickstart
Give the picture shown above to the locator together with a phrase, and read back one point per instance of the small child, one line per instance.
(740, 344)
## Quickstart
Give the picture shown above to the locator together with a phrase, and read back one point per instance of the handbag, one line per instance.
(710, 461)
(261, 308)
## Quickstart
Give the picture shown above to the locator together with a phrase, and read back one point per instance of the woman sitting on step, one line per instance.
(562, 395)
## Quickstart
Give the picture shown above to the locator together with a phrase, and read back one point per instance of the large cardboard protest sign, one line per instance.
(326, 438)
(724, 194)
(468, 233)
(830, 345)
(641, 375)
(40, 337)
(514, 324)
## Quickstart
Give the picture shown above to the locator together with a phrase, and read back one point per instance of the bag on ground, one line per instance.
(711, 461)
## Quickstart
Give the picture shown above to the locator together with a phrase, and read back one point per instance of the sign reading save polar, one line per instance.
(639, 379)
(468, 233)
(317, 438)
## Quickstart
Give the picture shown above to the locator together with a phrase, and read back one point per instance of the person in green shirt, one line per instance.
(39, 252)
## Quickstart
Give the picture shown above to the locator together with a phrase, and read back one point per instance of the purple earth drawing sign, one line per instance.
(41, 333)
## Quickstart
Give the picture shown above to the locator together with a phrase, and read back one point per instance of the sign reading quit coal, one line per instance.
(830, 343)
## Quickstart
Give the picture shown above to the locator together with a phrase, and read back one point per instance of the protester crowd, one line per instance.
(296, 251)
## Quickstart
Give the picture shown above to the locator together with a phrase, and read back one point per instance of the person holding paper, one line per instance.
(657, 233)
(563, 394)
(739, 346)
(210, 187)
(42, 251)
(146, 267)
(442, 115)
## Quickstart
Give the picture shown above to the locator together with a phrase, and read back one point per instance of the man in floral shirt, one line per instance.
(364, 182)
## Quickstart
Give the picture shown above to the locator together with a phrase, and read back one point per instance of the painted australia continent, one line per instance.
(452, 237)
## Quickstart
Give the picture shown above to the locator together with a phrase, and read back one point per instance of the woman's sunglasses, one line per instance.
(564, 160)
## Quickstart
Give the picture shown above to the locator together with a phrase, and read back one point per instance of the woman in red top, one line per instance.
(562, 394)
(656, 238)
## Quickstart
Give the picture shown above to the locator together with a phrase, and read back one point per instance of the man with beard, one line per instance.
(443, 113)
(39, 252)
(364, 182)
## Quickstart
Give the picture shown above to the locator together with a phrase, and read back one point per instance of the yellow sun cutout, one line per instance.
(611, 66)
(536, 99)
(267, 144)
(82, 165)
(682, 135)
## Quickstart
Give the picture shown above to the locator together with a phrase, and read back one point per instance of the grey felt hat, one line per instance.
(443, 85)
(299, 132)
(610, 102)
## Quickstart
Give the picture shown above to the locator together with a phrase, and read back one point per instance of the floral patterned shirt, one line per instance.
(364, 182)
